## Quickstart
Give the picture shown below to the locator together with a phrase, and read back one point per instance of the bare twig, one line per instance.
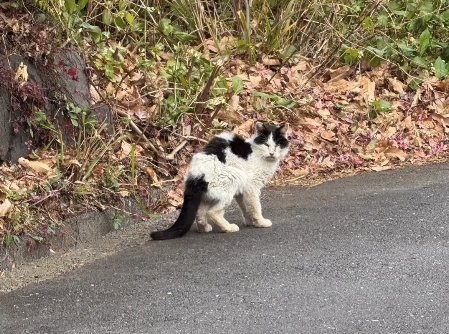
(171, 156)
(148, 143)
(52, 193)
(193, 138)
(133, 125)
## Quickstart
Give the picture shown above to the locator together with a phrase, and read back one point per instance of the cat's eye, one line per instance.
(266, 144)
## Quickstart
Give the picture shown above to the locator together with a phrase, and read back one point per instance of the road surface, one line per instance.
(365, 254)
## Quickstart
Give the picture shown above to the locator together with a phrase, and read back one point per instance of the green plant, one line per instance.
(411, 34)
(380, 106)
(9, 239)
(118, 221)
(195, 84)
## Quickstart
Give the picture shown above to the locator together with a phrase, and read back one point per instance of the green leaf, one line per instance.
(277, 100)
(415, 84)
(408, 51)
(82, 4)
(237, 85)
(368, 24)
(382, 19)
(166, 27)
(351, 55)
(441, 68)
(91, 28)
(119, 23)
(106, 17)
(375, 62)
(444, 16)
(70, 5)
(382, 106)
(420, 61)
(129, 18)
(95, 31)
(372, 145)
(424, 41)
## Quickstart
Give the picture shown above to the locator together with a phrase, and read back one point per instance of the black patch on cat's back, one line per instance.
(240, 147)
(217, 147)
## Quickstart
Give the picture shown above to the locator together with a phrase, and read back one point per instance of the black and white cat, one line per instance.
(229, 167)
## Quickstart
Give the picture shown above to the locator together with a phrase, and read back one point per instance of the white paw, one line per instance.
(204, 228)
(231, 228)
(263, 223)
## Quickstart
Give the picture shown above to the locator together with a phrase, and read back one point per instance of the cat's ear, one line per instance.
(259, 126)
(283, 128)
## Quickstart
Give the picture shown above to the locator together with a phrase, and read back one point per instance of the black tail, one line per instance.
(194, 190)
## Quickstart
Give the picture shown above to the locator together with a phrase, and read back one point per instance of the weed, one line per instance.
(118, 221)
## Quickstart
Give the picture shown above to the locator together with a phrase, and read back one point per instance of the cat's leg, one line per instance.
(253, 210)
(243, 209)
(202, 224)
(216, 215)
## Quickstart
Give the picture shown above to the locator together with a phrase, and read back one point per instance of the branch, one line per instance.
(148, 143)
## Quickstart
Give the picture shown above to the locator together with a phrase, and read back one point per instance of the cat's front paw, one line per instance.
(263, 223)
(204, 228)
(231, 228)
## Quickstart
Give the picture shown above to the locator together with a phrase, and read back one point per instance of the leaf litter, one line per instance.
(342, 122)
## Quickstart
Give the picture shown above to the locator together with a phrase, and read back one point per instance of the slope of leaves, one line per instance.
(343, 119)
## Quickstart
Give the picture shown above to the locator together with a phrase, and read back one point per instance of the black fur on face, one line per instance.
(263, 131)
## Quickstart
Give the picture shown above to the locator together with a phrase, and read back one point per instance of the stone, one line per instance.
(70, 69)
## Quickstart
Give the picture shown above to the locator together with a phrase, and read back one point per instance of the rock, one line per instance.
(5, 125)
(65, 77)
(102, 115)
(13, 145)
(71, 77)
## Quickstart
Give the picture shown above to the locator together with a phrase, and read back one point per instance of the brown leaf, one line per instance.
(123, 193)
(5, 208)
(245, 129)
(368, 89)
(340, 73)
(307, 121)
(37, 166)
(396, 153)
(270, 61)
(380, 168)
(327, 135)
(341, 85)
(396, 85)
(153, 176)
(21, 75)
(443, 85)
(408, 123)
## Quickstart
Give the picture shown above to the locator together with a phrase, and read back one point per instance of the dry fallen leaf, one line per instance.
(245, 128)
(396, 153)
(396, 85)
(270, 61)
(21, 75)
(37, 166)
(340, 73)
(5, 208)
(123, 193)
(153, 176)
(368, 89)
(380, 168)
(327, 135)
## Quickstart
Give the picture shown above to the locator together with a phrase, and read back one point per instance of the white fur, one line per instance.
(237, 178)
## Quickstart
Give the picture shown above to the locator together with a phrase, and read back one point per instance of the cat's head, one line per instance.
(270, 140)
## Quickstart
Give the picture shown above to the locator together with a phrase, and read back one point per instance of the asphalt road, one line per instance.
(366, 254)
